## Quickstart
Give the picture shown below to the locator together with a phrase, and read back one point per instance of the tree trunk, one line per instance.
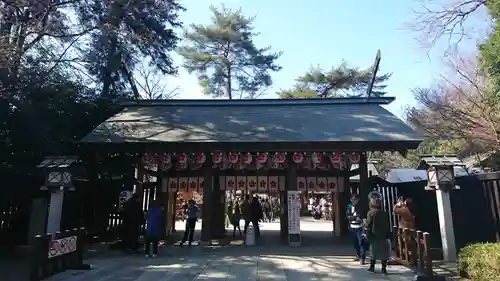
(229, 86)
(113, 62)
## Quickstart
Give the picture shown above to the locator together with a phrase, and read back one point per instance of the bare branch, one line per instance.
(459, 108)
(150, 84)
(436, 20)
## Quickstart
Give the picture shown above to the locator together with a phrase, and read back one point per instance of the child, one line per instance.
(154, 222)
(235, 219)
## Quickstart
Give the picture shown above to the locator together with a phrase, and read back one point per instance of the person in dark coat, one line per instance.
(378, 230)
(253, 215)
(191, 219)
(155, 222)
(235, 220)
(246, 212)
(133, 219)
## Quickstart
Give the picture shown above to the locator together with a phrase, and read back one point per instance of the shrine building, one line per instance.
(269, 146)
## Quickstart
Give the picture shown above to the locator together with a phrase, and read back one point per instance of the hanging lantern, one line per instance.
(279, 157)
(262, 158)
(233, 157)
(335, 158)
(354, 158)
(247, 158)
(166, 158)
(200, 158)
(147, 159)
(297, 157)
(217, 157)
(317, 157)
(182, 158)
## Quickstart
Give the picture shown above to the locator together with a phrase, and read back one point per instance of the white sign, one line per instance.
(62, 246)
(294, 212)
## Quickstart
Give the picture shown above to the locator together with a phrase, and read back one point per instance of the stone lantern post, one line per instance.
(58, 180)
(441, 180)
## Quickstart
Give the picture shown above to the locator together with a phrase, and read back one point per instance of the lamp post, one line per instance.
(441, 179)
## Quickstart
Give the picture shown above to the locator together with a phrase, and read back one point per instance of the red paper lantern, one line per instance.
(247, 158)
(182, 158)
(354, 158)
(262, 158)
(200, 158)
(332, 185)
(335, 158)
(165, 158)
(297, 157)
(147, 159)
(233, 158)
(217, 157)
(279, 157)
(317, 157)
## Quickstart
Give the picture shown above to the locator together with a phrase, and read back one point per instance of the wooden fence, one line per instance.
(412, 248)
(16, 196)
(475, 208)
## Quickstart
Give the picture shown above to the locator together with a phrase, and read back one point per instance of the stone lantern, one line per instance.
(58, 180)
(441, 179)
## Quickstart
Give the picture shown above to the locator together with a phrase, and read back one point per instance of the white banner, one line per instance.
(293, 212)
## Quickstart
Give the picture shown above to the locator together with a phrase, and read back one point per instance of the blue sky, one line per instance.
(322, 32)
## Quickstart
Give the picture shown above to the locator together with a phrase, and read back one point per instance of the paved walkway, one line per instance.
(236, 263)
(314, 261)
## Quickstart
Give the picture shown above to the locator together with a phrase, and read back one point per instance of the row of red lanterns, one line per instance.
(247, 157)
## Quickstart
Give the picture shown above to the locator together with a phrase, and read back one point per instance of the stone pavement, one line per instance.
(235, 263)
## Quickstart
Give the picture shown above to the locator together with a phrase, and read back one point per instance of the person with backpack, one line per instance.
(154, 229)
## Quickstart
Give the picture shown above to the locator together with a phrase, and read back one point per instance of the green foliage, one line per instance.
(489, 51)
(481, 262)
(122, 33)
(64, 71)
(340, 81)
(225, 58)
(386, 160)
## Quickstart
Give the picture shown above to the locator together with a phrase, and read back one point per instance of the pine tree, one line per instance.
(225, 58)
(125, 32)
(340, 81)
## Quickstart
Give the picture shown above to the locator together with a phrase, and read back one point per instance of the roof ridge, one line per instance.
(258, 102)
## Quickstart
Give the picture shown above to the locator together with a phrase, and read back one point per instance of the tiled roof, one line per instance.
(439, 160)
(276, 120)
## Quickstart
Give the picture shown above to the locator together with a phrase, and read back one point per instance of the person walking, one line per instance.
(133, 219)
(246, 212)
(355, 215)
(154, 229)
(378, 231)
(191, 219)
(235, 220)
(256, 215)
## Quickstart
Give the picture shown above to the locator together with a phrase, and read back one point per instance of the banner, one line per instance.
(293, 212)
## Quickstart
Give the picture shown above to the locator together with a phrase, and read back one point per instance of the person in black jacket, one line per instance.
(355, 215)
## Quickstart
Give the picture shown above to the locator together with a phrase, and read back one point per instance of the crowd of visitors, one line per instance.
(252, 210)
(370, 228)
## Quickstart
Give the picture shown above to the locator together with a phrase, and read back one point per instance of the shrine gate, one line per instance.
(264, 145)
